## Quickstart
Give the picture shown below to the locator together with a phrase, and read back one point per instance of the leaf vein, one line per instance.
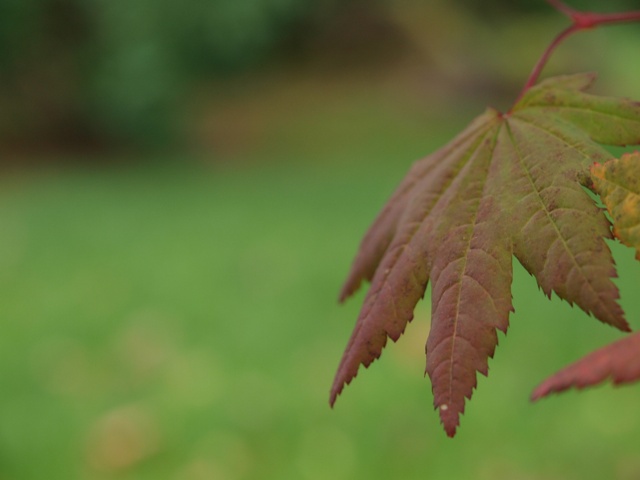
(551, 220)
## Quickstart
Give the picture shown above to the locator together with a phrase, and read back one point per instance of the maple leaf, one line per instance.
(619, 361)
(508, 185)
(618, 183)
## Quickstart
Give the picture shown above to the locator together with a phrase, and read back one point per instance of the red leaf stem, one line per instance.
(579, 21)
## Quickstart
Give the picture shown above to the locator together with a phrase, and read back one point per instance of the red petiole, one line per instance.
(579, 21)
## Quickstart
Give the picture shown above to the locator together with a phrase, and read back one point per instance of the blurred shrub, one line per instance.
(488, 8)
(114, 70)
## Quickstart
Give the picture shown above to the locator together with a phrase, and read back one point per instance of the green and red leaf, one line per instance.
(617, 181)
(509, 185)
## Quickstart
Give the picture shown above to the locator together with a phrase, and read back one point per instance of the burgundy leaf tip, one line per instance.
(619, 361)
(450, 420)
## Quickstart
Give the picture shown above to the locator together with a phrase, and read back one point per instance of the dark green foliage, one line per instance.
(492, 8)
(119, 69)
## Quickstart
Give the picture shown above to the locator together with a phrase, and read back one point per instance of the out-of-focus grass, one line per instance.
(181, 323)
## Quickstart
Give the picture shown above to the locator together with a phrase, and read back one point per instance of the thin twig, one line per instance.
(579, 21)
(537, 69)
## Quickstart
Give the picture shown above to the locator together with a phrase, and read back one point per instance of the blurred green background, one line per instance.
(183, 188)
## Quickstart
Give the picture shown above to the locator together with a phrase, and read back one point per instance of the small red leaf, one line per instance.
(619, 361)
